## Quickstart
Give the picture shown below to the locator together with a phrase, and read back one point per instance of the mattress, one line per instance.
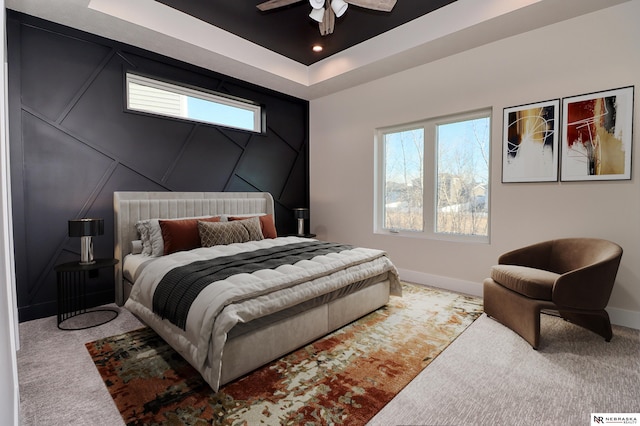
(134, 264)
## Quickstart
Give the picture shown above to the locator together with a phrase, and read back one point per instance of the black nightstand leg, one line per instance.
(72, 296)
(72, 281)
(61, 296)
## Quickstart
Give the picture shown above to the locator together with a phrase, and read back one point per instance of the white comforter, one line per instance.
(218, 308)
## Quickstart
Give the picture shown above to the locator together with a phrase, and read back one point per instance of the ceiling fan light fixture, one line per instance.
(316, 4)
(317, 14)
(339, 7)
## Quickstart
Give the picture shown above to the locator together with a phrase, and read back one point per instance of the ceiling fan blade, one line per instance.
(274, 4)
(328, 22)
(382, 5)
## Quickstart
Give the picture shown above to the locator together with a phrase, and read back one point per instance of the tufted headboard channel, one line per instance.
(130, 207)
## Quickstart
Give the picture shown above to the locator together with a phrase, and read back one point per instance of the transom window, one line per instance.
(432, 178)
(172, 100)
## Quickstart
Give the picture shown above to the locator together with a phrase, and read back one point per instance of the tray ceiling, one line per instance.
(290, 31)
(259, 47)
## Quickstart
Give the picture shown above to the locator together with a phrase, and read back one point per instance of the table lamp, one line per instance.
(85, 229)
(301, 214)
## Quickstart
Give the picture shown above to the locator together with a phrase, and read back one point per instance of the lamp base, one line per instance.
(86, 251)
(300, 227)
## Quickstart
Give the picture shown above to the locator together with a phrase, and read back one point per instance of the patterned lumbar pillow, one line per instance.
(267, 224)
(222, 233)
(253, 227)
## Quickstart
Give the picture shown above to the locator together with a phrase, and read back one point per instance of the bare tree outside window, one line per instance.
(404, 171)
(463, 177)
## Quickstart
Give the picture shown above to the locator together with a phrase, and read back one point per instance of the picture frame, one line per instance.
(530, 148)
(597, 135)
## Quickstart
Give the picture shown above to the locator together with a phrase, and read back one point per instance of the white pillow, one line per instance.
(143, 231)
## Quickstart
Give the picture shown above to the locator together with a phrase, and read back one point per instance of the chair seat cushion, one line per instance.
(530, 282)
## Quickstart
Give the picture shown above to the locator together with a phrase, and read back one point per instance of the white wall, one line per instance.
(9, 398)
(594, 52)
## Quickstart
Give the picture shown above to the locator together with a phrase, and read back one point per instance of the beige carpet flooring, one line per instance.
(488, 376)
(491, 376)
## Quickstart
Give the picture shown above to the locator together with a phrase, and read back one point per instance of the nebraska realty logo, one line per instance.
(615, 418)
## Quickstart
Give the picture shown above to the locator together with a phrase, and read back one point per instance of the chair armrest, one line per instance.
(533, 256)
(588, 287)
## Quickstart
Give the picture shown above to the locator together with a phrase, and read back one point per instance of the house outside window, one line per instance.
(159, 97)
(432, 178)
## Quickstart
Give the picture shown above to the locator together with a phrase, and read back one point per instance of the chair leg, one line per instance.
(596, 321)
(521, 314)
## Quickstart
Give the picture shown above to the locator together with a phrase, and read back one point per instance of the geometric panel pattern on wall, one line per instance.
(73, 143)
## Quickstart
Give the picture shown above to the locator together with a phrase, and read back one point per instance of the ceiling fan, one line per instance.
(325, 12)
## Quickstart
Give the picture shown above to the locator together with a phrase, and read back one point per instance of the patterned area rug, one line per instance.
(343, 378)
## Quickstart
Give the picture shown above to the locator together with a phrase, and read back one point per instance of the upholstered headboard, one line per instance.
(130, 207)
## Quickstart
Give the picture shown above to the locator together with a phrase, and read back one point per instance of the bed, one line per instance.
(229, 305)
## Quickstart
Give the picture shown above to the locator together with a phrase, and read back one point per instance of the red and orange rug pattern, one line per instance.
(343, 378)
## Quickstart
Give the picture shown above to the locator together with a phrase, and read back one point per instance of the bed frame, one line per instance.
(130, 207)
(275, 339)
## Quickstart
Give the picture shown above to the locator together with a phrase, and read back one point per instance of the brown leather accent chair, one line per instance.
(574, 276)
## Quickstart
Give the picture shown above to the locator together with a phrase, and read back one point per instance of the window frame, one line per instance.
(196, 92)
(430, 177)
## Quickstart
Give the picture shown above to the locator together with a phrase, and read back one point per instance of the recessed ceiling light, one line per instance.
(317, 48)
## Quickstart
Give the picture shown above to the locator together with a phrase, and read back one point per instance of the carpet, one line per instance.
(345, 377)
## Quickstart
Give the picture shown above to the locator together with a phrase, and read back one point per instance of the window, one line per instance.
(159, 97)
(433, 178)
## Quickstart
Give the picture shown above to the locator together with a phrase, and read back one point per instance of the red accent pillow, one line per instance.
(266, 223)
(182, 234)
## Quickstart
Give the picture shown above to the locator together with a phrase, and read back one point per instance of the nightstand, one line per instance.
(72, 282)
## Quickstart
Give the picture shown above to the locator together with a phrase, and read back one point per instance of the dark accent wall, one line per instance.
(73, 144)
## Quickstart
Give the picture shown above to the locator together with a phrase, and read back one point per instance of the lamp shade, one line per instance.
(339, 7)
(317, 14)
(86, 227)
(301, 213)
(317, 4)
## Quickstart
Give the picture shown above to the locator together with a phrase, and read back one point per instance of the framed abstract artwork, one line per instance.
(597, 135)
(530, 142)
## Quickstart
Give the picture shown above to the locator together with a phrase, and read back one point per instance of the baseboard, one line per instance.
(446, 283)
(50, 308)
(622, 317)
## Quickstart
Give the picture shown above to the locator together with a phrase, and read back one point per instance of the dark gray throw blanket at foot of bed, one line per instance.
(178, 289)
